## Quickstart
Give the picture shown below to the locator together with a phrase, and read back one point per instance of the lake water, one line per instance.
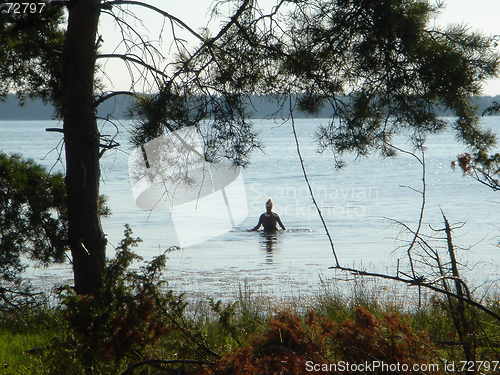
(359, 204)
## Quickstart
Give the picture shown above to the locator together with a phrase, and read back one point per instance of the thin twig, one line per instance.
(309, 185)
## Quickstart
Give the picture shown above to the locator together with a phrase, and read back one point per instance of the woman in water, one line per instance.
(269, 219)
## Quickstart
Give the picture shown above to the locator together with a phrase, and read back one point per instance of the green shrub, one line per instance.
(120, 322)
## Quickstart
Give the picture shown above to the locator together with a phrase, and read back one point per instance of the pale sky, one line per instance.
(483, 15)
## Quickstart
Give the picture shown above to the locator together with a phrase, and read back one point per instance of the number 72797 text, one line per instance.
(19, 8)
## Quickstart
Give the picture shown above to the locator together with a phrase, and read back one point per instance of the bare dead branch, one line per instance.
(55, 130)
(109, 4)
(103, 98)
(134, 60)
(309, 184)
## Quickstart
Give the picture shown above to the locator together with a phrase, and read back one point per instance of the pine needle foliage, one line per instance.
(32, 215)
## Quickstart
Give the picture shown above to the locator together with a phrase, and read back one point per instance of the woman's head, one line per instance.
(269, 205)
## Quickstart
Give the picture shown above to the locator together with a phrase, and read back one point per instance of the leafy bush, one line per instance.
(121, 321)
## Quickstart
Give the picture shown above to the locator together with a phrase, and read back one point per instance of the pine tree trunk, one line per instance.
(81, 137)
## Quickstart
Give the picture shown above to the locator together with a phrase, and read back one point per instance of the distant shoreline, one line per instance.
(10, 110)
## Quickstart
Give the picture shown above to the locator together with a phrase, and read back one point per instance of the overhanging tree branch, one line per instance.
(103, 98)
(134, 60)
(109, 5)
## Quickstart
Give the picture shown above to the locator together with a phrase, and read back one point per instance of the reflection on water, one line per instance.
(269, 242)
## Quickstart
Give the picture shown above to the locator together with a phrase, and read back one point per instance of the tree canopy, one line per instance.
(30, 57)
(379, 66)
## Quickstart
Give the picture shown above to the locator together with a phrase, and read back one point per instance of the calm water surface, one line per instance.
(360, 204)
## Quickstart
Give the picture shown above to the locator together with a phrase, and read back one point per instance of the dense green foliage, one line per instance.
(31, 53)
(33, 225)
(32, 215)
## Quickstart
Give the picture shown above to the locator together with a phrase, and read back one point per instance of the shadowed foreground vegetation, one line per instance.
(135, 325)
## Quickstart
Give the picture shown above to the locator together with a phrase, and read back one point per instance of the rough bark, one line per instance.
(81, 135)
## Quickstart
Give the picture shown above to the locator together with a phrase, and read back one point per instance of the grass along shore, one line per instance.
(250, 335)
